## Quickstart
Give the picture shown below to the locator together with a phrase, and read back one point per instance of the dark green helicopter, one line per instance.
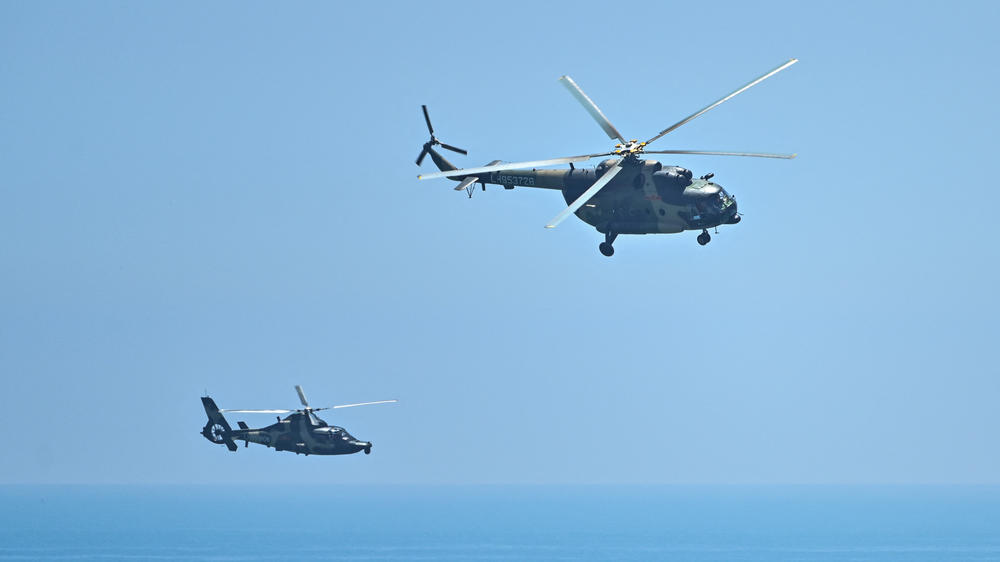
(301, 432)
(624, 194)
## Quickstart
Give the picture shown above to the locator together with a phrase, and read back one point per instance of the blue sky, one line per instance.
(224, 198)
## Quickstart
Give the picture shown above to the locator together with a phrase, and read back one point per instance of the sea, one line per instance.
(499, 522)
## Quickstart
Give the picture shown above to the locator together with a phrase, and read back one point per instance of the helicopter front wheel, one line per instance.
(609, 238)
(704, 237)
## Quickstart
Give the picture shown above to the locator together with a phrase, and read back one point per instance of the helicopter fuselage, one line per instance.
(646, 197)
(299, 434)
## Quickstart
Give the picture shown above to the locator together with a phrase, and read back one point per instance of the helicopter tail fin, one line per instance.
(217, 429)
(440, 161)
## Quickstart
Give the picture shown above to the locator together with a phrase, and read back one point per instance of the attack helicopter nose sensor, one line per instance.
(624, 194)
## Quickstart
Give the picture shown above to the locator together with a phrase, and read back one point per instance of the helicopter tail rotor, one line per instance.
(217, 429)
(434, 141)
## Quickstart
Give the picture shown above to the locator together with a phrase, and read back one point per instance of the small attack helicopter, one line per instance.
(301, 432)
(624, 194)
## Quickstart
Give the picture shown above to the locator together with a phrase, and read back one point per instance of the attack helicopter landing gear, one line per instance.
(606, 248)
(704, 237)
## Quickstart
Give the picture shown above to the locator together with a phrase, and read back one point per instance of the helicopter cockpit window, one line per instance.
(724, 200)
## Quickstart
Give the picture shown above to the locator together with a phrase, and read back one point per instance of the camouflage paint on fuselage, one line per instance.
(646, 197)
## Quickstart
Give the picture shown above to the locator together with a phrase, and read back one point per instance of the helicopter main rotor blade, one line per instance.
(353, 405)
(454, 148)
(712, 153)
(511, 166)
(428, 119)
(302, 396)
(709, 107)
(591, 108)
(591, 191)
(260, 411)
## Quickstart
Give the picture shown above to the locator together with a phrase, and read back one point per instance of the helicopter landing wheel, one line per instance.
(607, 249)
(368, 450)
(704, 237)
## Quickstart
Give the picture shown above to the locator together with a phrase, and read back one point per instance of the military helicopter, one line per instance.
(622, 195)
(301, 432)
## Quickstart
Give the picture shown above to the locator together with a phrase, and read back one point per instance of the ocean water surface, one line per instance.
(499, 522)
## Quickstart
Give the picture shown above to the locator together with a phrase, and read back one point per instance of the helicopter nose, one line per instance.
(734, 215)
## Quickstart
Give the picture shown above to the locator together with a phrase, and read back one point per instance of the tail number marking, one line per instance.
(512, 180)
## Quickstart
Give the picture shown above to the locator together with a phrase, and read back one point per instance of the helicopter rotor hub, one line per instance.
(632, 148)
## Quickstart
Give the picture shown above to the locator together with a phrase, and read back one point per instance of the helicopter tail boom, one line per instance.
(217, 429)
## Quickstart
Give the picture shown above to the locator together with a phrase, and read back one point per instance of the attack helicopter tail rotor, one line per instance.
(218, 434)
(434, 141)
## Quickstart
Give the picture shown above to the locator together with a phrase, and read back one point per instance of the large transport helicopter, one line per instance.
(302, 432)
(622, 195)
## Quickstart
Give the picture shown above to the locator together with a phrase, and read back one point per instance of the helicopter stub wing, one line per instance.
(464, 184)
